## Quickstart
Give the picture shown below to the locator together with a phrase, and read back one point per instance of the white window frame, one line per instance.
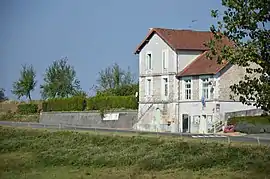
(147, 61)
(184, 79)
(163, 87)
(165, 61)
(201, 87)
(148, 89)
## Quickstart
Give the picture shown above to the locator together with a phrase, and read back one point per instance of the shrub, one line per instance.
(27, 108)
(112, 102)
(250, 119)
(64, 104)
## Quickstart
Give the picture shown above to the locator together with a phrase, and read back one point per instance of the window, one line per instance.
(165, 83)
(187, 88)
(164, 59)
(148, 87)
(149, 61)
(205, 88)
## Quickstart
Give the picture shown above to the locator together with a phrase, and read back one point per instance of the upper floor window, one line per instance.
(165, 88)
(148, 61)
(164, 59)
(205, 88)
(148, 87)
(188, 91)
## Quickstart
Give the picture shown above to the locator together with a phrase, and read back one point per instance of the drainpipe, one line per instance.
(178, 96)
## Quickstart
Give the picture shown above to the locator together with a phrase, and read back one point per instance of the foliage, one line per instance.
(60, 80)
(9, 116)
(76, 103)
(124, 90)
(26, 82)
(244, 23)
(2, 95)
(28, 108)
(113, 78)
(137, 153)
(250, 119)
(81, 93)
(111, 102)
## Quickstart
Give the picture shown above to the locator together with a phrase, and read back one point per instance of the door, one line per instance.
(185, 119)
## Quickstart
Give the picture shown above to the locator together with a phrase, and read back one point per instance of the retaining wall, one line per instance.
(89, 119)
(251, 112)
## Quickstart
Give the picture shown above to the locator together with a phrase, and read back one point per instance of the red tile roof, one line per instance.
(202, 66)
(179, 39)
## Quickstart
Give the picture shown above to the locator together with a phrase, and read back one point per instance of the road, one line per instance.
(216, 137)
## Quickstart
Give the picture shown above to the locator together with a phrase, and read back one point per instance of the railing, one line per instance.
(217, 126)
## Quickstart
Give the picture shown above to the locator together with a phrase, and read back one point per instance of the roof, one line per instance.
(202, 66)
(179, 39)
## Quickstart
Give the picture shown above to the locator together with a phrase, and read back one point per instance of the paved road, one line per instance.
(217, 137)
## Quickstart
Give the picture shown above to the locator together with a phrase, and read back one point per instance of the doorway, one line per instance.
(185, 122)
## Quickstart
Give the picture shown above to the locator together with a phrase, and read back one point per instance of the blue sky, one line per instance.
(92, 33)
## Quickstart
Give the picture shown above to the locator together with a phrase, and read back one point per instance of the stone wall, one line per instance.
(89, 119)
(251, 112)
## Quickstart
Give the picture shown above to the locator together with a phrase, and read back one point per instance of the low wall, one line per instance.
(251, 112)
(125, 120)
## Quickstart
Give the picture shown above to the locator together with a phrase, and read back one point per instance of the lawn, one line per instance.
(29, 153)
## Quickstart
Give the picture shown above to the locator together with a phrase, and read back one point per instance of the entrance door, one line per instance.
(185, 122)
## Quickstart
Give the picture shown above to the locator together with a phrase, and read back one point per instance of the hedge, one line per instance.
(64, 104)
(27, 108)
(250, 120)
(112, 102)
(92, 103)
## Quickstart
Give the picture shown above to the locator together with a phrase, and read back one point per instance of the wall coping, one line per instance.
(96, 111)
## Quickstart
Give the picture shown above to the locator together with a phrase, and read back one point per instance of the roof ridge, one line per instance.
(192, 30)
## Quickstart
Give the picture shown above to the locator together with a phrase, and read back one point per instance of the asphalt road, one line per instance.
(216, 137)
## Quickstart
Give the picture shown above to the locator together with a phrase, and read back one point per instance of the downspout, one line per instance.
(178, 96)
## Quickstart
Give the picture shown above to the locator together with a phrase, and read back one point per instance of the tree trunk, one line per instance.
(29, 97)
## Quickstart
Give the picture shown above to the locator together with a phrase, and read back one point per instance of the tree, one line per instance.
(26, 83)
(60, 80)
(244, 22)
(2, 95)
(116, 81)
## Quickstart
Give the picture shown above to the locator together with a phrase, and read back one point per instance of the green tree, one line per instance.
(115, 81)
(2, 95)
(246, 24)
(26, 83)
(60, 80)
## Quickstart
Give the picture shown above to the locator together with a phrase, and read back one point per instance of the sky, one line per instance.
(93, 34)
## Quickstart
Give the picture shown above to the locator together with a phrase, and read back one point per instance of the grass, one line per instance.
(29, 153)
(19, 117)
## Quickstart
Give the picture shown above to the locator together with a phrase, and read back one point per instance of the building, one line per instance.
(180, 90)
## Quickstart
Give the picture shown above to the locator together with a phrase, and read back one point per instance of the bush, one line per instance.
(64, 104)
(27, 108)
(250, 119)
(112, 102)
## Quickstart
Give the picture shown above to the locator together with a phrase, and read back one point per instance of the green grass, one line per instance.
(28, 153)
(19, 117)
